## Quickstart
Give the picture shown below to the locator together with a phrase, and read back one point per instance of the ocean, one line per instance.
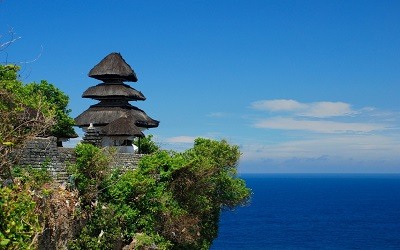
(315, 211)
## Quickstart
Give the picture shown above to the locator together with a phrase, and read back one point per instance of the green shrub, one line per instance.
(171, 201)
(34, 177)
(146, 145)
(89, 171)
(19, 220)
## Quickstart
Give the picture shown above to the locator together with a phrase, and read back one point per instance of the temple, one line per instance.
(114, 121)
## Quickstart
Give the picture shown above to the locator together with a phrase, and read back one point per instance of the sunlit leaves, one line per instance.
(171, 200)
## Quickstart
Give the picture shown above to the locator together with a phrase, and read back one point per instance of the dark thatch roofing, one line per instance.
(124, 126)
(104, 90)
(101, 116)
(113, 67)
(114, 103)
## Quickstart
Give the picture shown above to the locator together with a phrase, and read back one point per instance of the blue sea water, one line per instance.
(313, 211)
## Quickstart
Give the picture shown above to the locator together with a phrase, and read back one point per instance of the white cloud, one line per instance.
(217, 115)
(327, 134)
(278, 105)
(315, 109)
(181, 139)
(318, 126)
(355, 147)
(71, 143)
(179, 143)
(328, 109)
(321, 117)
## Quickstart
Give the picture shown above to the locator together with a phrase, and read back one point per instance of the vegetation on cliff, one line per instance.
(26, 111)
(43, 97)
(29, 110)
(171, 201)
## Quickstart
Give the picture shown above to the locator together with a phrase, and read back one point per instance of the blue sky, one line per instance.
(300, 86)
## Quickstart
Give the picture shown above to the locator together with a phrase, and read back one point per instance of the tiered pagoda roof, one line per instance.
(122, 127)
(101, 116)
(106, 90)
(114, 114)
(113, 68)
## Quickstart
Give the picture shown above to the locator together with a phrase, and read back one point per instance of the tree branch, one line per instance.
(12, 40)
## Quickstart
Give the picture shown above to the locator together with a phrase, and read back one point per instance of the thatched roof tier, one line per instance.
(113, 68)
(114, 103)
(107, 91)
(101, 116)
(124, 126)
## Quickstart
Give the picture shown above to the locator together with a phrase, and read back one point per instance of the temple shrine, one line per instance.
(114, 121)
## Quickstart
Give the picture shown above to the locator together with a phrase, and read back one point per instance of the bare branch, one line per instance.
(3, 46)
(13, 38)
(36, 58)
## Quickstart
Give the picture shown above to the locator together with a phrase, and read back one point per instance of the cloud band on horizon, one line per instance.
(318, 117)
(315, 109)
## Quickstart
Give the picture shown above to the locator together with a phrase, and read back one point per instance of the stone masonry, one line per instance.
(43, 152)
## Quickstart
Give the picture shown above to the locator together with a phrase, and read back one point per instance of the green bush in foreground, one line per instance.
(27, 111)
(19, 220)
(146, 145)
(90, 170)
(171, 201)
(20, 224)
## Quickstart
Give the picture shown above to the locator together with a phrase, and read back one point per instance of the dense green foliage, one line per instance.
(146, 145)
(26, 111)
(16, 107)
(43, 97)
(172, 201)
(20, 226)
(90, 170)
(19, 220)
(58, 102)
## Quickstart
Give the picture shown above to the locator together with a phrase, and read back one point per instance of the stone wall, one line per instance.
(43, 152)
(126, 160)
